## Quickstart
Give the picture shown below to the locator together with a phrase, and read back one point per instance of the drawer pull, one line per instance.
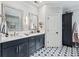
(32, 38)
(17, 50)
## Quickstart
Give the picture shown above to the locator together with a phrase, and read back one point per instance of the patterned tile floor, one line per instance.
(55, 52)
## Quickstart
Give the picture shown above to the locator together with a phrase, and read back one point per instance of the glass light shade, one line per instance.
(26, 20)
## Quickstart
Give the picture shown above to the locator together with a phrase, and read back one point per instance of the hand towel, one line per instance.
(75, 32)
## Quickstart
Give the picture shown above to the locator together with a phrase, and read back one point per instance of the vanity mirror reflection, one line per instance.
(33, 22)
(15, 20)
(12, 18)
(0, 22)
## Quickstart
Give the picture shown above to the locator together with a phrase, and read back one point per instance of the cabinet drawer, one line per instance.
(42, 36)
(31, 42)
(22, 40)
(9, 44)
(0, 50)
(23, 49)
(13, 43)
(40, 41)
(31, 50)
(10, 52)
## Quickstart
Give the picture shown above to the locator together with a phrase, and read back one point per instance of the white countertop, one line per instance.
(11, 38)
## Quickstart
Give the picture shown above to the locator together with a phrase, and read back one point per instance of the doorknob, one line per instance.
(56, 32)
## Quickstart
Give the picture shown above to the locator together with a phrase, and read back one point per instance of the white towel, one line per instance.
(75, 30)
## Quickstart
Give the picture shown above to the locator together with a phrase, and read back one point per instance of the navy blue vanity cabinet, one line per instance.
(23, 48)
(10, 49)
(16, 48)
(36, 43)
(31, 46)
(0, 50)
(39, 42)
(42, 40)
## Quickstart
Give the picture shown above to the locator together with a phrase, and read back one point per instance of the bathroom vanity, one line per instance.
(22, 46)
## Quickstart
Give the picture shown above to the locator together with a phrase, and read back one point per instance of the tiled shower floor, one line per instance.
(55, 52)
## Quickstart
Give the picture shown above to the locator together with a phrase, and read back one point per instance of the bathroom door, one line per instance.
(52, 31)
(67, 29)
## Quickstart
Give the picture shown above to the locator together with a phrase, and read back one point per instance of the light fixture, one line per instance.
(40, 1)
(26, 20)
(37, 2)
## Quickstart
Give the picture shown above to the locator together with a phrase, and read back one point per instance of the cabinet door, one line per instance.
(0, 50)
(40, 41)
(67, 29)
(32, 50)
(37, 42)
(23, 49)
(32, 41)
(32, 46)
(10, 51)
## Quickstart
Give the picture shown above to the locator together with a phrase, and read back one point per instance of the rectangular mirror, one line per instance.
(33, 21)
(13, 18)
(13, 23)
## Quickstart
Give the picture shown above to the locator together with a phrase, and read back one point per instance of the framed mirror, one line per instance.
(0, 22)
(33, 21)
(13, 19)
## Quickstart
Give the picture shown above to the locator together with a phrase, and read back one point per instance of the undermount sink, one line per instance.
(26, 34)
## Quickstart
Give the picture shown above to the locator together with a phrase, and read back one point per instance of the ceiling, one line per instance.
(64, 4)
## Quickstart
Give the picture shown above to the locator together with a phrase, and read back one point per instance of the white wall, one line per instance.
(25, 7)
(75, 16)
(0, 8)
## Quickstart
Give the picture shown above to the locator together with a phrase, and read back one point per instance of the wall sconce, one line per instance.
(26, 20)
